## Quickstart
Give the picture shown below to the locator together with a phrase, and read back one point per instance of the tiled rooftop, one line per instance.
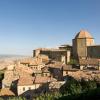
(6, 92)
(83, 34)
(89, 61)
(40, 79)
(24, 81)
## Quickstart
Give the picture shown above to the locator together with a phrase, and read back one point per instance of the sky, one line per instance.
(29, 24)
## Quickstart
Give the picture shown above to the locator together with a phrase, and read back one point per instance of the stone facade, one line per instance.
(54, 54)
(93, 51)
(22, 89)
(29, 85)
(80, 43)
(85, 51)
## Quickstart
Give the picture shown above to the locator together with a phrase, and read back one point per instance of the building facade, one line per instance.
(93, 51)
(80, 43)
(61, 55)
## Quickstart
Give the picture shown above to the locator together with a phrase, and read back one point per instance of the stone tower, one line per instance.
(80, 43)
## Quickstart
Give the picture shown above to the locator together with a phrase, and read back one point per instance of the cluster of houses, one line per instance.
(48, 69)
(32, 76)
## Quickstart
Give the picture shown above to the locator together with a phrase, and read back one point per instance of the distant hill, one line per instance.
(4, 56)
(12, 57)
(6, 60)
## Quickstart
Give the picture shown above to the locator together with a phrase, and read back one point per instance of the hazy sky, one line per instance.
(29, 24)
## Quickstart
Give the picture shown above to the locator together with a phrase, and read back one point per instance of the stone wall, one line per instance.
(22, 89)
(54, 54)
(79, 48)
(94, 51)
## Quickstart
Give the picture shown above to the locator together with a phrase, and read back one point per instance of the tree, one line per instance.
(73, 62)
(71, 87)
(88, 85)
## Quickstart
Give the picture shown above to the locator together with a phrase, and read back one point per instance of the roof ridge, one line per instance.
(83, 34)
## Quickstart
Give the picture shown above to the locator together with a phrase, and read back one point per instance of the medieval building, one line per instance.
(84, 46)
(82, 40)
(62, 55)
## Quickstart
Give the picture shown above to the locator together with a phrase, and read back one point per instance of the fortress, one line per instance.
(83, 47)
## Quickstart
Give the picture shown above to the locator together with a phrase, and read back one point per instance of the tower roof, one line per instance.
(83, 34)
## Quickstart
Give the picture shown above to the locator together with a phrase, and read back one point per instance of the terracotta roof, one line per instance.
(40, 79)
(78, 75)
(89, 61)
(55, 65)
(67, 67)
(8, 77)
(83, 34)
(6, 92)
(25, 81)
(26, 60)
(23, 69)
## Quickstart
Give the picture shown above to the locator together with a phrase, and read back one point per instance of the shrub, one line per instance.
(88, 85)
(71, 87)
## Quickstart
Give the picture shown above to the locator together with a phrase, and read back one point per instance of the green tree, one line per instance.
(71, 87)
(73, 62)
(88, 85)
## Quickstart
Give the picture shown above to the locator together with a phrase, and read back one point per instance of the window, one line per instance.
(46, 75)
(29, 88)
(23, 88)
(66, 72)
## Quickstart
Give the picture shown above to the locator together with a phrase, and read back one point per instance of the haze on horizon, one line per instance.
(29, 24)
